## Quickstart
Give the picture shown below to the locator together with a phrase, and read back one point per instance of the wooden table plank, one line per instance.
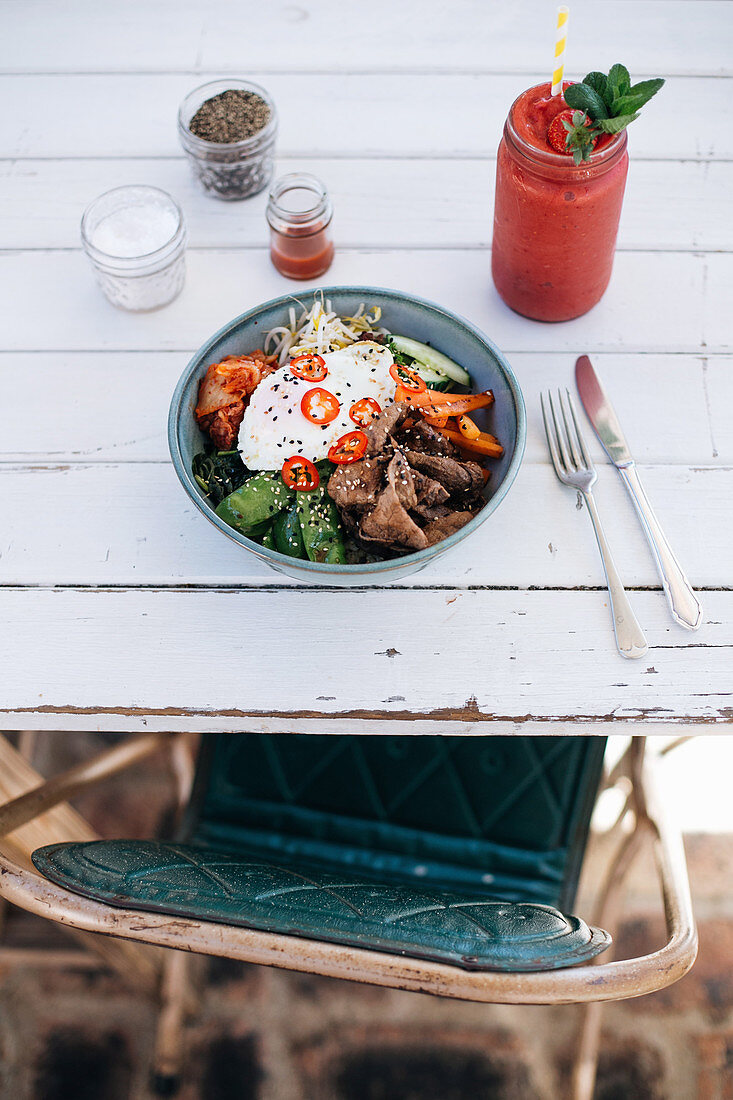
(497, 660)
(717, 301)
(651, 393)
(348, 114)
(511, 632)
(465, 34)
(718, 376)
(132, 524)
(655, 302)
(447, 202)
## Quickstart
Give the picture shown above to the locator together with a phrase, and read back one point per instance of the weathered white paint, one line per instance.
(323, 34)
(673, 407)
(656, 301)
(446, 202)
(443, 655)
(353, 114)
(133, 524)
(717, 377)
(405, 138)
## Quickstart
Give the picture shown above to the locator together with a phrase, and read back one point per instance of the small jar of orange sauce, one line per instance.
(299, 214)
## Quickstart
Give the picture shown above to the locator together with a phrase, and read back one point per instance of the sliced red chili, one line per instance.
(364, 411)
(299, 473)
(310, 366)
(409, 379)
(348, 448)
(319, 406)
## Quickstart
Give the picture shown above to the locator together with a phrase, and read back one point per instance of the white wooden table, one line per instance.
(121, 607)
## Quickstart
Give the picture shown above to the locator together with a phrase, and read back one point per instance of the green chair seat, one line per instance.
(460, 849)
(464, 929)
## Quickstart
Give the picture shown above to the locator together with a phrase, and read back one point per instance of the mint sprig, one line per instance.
(610, 101)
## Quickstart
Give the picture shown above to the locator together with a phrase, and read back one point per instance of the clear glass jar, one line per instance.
(555, 222)
(229, 170)
(135, 238)
(299, 214)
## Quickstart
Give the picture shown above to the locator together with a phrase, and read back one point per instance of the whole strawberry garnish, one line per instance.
(572, 132)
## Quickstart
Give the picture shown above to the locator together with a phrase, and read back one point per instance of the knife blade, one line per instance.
(683, 603)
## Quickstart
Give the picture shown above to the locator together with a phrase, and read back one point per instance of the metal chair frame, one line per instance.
(589, 984)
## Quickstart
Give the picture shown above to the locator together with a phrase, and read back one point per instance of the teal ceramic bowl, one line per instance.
(403, 314)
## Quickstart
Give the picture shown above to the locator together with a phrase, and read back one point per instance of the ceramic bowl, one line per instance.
(403, 314)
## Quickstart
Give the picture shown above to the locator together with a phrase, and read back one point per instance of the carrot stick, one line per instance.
(467, 428)
(485, 444)
(455, 404)
(439, 398)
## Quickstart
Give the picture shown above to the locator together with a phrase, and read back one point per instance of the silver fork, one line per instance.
(574, 466)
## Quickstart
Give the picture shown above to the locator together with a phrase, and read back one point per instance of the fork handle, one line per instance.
(683, 602)
(629, 635)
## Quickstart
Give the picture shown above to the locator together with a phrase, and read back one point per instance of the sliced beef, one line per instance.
(384, 426)
(443, 526)
(400, 477)
(428, 491)
(356, 485)
(390, 524)
(455, 476)
(424, 438)
(413, 489)
(432, 511)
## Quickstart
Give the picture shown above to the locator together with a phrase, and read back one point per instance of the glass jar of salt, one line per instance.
(135, 238)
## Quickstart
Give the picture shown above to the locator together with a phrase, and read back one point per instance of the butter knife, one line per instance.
(683, 602)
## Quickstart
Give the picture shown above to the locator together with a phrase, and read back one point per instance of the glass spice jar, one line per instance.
(299, 214)
(229, 170)
(135, 237)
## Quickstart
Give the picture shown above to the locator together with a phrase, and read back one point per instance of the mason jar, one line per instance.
(555, 222)
(135, 237)
(229, 170)
(299, 214)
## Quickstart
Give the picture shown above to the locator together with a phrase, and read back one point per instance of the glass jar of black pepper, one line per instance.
(228, 129)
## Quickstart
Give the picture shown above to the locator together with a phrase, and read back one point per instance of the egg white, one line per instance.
(274, 426)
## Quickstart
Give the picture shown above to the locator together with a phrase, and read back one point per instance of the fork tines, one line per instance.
(564, 437)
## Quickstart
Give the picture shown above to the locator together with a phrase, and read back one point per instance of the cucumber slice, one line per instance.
(429, 375)
(432, 359)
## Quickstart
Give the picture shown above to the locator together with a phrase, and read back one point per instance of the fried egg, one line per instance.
(274, 426)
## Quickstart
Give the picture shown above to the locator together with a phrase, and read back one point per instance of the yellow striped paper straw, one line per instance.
(561, 38)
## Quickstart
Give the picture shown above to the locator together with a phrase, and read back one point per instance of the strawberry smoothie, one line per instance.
(555, 222)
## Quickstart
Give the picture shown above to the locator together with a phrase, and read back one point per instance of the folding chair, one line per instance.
(446, 865)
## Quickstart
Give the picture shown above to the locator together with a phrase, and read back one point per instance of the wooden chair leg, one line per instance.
(608, 908)
(182, 753)
(139, 966)
(606, 913)
(177, 1004)
(26, 745)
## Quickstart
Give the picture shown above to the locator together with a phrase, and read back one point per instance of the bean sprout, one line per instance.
(320, 329)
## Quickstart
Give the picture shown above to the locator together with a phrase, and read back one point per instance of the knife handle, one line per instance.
(684, 604)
